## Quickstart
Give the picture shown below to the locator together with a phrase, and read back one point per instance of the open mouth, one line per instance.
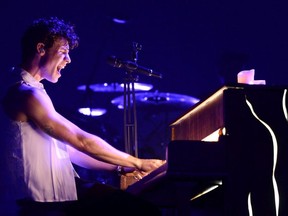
(59, 68)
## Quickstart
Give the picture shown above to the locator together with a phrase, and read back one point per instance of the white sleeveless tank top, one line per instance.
(38, 166)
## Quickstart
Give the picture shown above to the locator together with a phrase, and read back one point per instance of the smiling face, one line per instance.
(54, 59)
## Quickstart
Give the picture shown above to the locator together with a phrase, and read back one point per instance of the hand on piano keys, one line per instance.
(147, 166)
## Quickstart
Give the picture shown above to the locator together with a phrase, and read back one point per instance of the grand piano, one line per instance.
(228, 155)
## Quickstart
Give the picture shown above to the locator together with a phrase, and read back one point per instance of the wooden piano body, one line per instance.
(236, 140)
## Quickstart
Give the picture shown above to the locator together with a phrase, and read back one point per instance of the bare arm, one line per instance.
(38, 107)
(88, 162)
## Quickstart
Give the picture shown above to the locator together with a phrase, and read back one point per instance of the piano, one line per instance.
(230, 149)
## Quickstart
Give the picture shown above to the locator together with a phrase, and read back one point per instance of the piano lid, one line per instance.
(210, 115)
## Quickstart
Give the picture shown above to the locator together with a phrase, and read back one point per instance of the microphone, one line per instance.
(132, 67)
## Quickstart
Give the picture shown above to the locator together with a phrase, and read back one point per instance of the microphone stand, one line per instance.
(130, 114)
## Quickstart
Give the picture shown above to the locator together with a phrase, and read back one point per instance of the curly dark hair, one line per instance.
(47, 30)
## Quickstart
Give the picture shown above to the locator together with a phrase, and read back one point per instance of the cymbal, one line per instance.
(158, 99)
(114, 87)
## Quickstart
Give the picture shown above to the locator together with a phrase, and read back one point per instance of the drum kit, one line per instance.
(155, 110)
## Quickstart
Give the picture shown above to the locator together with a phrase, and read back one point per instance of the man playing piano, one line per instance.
(42, 144)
